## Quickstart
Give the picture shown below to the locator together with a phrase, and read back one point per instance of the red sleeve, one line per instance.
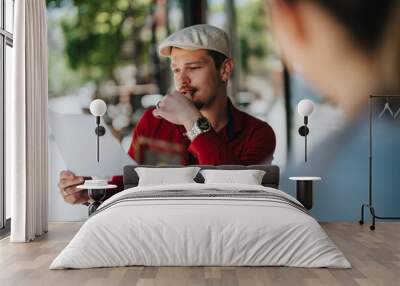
(138, 131)
(258, 148)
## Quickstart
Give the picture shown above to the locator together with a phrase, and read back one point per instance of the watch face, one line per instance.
(203, 124)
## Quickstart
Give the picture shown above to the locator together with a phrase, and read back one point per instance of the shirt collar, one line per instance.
(235, 120)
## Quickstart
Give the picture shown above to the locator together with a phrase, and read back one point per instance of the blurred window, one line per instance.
(257, 83)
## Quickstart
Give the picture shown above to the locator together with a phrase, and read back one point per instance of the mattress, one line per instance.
(201, 225)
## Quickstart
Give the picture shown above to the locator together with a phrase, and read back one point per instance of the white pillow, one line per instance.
(248, 177)
(163, 176)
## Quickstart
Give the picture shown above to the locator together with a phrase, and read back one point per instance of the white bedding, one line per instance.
(190, 230)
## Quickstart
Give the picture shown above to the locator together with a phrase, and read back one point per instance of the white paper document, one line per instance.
(75, 136)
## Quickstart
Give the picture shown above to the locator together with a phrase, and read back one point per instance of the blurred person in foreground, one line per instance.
(198, 116)
(348, 50)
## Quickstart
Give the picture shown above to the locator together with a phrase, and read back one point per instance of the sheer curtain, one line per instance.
(26, 124)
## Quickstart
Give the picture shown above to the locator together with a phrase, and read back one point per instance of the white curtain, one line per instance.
(26, 123)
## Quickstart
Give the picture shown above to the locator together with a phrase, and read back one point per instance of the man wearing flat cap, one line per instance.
(198, 115)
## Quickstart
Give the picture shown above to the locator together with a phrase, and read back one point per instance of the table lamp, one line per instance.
(98, 108)
(305, 107)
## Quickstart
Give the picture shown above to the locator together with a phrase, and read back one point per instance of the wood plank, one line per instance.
(374, 255)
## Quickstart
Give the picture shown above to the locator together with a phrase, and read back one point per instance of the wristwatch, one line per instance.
(201, 125)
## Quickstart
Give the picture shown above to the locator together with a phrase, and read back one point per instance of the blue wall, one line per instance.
(342, 162)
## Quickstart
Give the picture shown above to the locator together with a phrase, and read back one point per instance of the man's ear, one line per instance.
(226, 69)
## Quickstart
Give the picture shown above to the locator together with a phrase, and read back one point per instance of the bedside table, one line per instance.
(304, 190)
(96, 195)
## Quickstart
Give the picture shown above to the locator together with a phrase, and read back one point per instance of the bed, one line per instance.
(201, 224)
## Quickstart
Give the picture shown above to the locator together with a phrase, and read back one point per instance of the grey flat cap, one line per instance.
(197, 37)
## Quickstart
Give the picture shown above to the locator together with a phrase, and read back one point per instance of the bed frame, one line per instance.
(270, 179)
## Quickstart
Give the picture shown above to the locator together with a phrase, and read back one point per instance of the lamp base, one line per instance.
(303, 130)
(100, 130)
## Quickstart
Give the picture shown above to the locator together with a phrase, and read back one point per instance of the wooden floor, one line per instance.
(375, 256)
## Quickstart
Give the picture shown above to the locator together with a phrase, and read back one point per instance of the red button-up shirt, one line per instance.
(245, 140)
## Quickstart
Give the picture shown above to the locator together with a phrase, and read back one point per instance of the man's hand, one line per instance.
(67, 186)
(177, 109)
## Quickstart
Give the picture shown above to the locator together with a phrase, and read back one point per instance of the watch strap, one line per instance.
(195, 131)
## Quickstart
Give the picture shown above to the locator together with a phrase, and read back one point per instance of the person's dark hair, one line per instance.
(217, 57)
(365, 19)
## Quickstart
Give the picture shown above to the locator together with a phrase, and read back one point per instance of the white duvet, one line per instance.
(183, 231)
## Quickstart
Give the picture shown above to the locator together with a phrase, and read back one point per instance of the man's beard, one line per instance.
(202, 103)
(189, 92)
(199, 105)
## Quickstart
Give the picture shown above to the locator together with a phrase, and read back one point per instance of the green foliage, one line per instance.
(252, 31)
(102, 34)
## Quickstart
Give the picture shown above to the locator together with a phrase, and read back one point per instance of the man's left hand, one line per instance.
(177, 109)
